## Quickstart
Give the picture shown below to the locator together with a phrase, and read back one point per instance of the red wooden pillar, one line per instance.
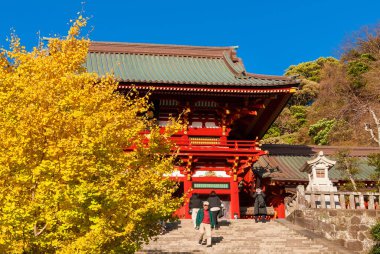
(281, 211)
(187, 185)
(234, 206)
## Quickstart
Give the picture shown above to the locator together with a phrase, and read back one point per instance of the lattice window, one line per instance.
(320, 173)
(205, 120)
(211, 125)
(168, 103)
(206, 104)
(196, 124)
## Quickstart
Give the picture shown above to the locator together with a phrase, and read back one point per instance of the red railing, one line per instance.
(216, 146)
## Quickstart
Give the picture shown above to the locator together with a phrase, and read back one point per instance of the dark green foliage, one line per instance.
(299, 113)
(357, 67)
(320, 131)
(375, 232)
(287, 124)
(274, 131)
(310, 70)
(375, 249)
(368, 57)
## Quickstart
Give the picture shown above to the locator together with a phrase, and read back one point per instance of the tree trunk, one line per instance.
(353, 182)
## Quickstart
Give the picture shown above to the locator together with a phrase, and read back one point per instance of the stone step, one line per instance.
(237, 236)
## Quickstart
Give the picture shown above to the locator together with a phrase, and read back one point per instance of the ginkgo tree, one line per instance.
(66, 183)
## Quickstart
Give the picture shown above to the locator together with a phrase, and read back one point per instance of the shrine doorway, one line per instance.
(226, 200)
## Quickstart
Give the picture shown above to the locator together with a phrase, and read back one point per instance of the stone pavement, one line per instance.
(241, 236)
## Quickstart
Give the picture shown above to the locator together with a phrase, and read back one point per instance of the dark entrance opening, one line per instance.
(226, 201)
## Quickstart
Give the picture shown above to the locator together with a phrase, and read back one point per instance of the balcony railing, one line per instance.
(216, 145)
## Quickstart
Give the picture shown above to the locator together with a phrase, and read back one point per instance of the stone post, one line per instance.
(332, 201)
(361, 201)
(301, 200)
(352, 202)
(342, 201)
(371, 202)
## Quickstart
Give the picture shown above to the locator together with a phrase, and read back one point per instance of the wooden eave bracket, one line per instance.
(235, 166)
(188, 167)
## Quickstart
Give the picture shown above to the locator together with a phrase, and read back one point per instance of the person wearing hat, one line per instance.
(205, 222)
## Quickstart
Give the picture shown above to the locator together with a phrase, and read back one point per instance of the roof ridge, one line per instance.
(160, 44)
(264, 76)
(154, 54)
(159, 49)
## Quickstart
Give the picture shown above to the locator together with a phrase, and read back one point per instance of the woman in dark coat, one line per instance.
(194, 205)
(215, 206)
(260, 206)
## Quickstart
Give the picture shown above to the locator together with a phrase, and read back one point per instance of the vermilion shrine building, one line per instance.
(228, 110)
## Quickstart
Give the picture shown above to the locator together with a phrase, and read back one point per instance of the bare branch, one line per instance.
(368, 128)
(40, 231)
(374, 117)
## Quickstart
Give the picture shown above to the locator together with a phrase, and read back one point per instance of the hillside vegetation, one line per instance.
(338, 100)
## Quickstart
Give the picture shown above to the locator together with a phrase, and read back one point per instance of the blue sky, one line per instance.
(271, 34)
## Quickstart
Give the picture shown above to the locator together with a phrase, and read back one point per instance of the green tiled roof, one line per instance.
(290, 166)
(290, 159)
(168, 64)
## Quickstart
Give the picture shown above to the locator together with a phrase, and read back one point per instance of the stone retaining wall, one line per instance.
(349, 228)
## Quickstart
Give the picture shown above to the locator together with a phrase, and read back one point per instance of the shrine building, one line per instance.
(227, 111)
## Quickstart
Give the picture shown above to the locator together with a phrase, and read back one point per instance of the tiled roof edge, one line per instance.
(311, 150)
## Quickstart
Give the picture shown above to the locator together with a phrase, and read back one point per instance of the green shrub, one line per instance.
(375, 232)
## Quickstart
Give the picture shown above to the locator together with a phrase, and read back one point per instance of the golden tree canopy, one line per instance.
(66, 185)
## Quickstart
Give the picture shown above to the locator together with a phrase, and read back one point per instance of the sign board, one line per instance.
(203, 185)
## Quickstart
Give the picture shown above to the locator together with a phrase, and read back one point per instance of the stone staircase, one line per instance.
(239, 236)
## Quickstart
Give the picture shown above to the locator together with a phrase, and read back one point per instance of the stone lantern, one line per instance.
(318, 169)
